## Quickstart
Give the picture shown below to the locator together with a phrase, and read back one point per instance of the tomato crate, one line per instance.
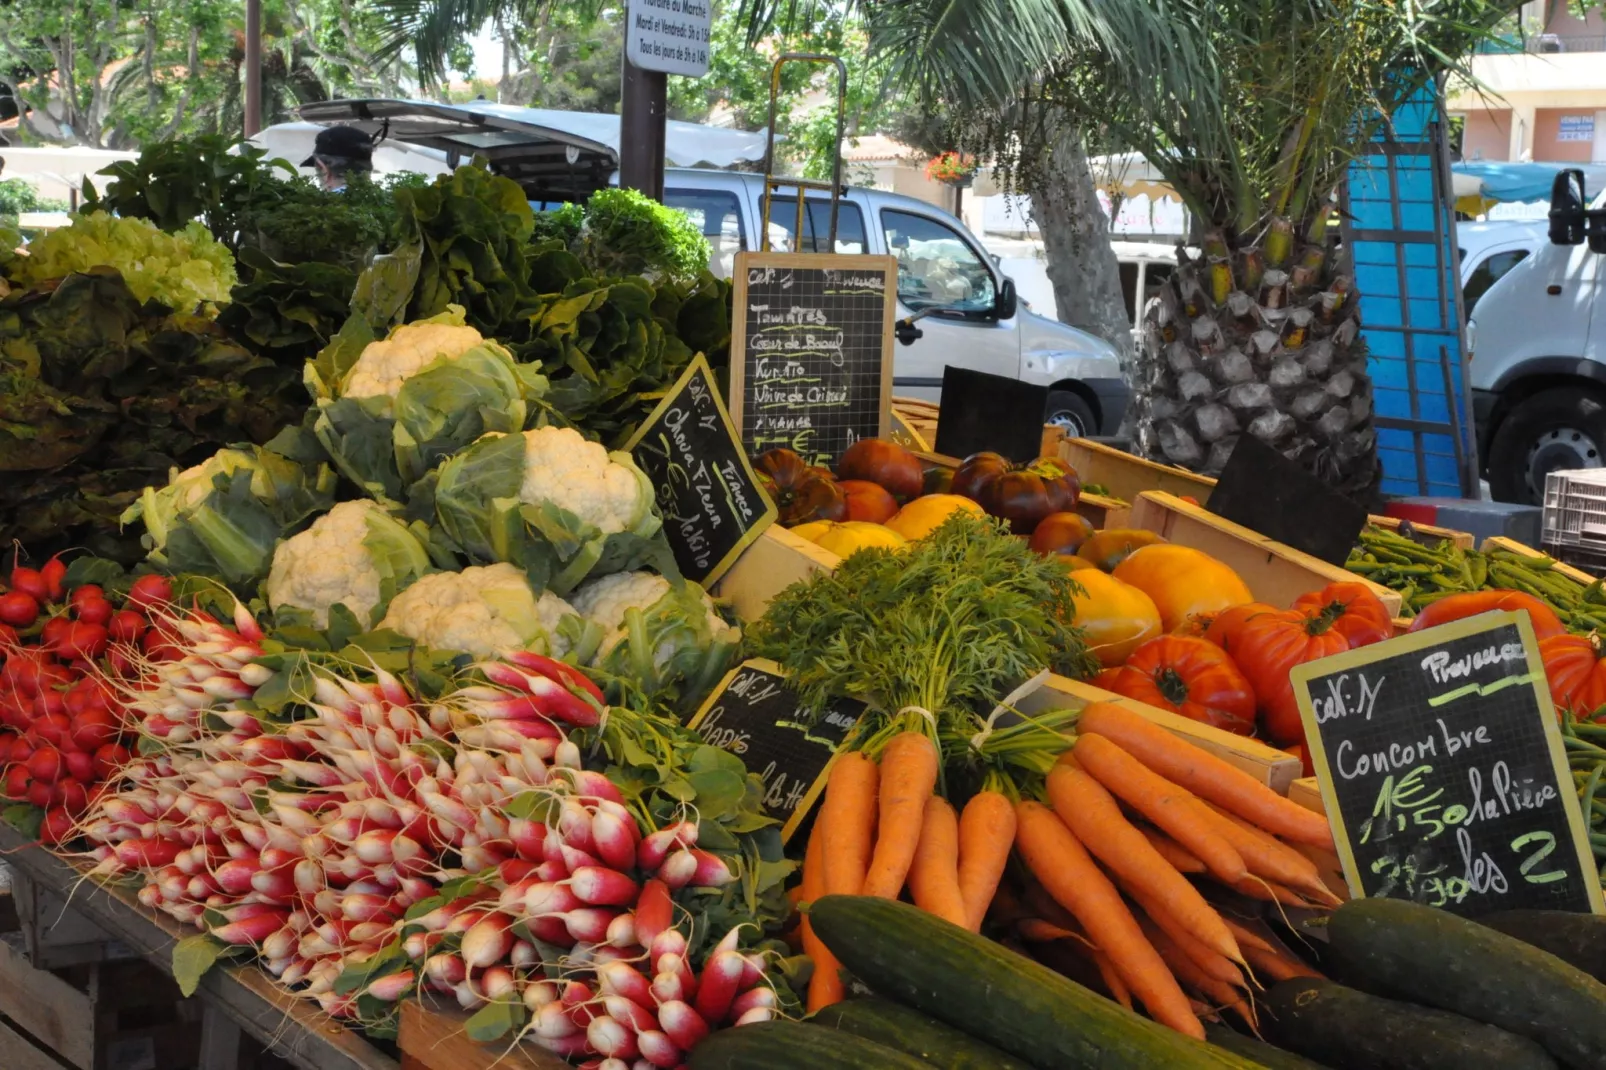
(1276, 573)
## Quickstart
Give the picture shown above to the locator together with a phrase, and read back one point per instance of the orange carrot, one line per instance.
(908, 775)
(1188, 972)
(986, 833)
(1038, 931)
(1172, 851)
(1278, 967)
(1162, 802)
(1069, 874)
(1084, 805)
(849, 816)
(825, 986)
(1246, 936)
(1266, 891)
(1112, 979)
(1267, 858)
(1205, 775)
(934, 874)
(1212, 962)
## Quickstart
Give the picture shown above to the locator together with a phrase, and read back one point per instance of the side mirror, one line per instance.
(1567, 208)
(1007, 303)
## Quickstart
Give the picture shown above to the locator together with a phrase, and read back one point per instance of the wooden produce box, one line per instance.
(55, 934)
(1308, 793)
(1276, 573)
(1272, 767)
(776, 560)
(432, 1038)
(1500, 542)
(1128, 476)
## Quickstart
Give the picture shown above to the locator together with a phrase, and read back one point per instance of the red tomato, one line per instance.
(1188, 676)
(868, 501)
(1267, 644)
(1470, 604)
(1577, 674)
(884, 463)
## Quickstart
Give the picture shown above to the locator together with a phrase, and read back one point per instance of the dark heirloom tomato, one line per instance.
(1192, 677)
(801, 493)
(1021, 494)
(886, 464)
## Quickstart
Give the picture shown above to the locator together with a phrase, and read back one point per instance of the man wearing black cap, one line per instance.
(337, 152)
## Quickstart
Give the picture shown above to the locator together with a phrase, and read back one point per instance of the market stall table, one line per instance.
(432, 1038)
(236, 997)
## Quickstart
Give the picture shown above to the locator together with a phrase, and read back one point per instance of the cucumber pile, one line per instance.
(1422, 989)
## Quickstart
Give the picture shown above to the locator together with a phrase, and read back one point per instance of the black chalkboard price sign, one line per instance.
(711, 502)
(1442, 769)
(811, 351)
(755, 716)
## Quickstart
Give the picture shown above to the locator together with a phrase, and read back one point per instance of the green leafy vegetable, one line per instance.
(628, 233)
(950, 624)
(184, 270)
(287, 312)
(192, 957)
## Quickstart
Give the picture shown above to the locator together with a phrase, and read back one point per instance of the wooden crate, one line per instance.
(1308, 793)
(776, 560)
(1500, 542)
(1276, 573)
(1272, 767)
(432, 1038)
(57, 935)
(1127, 476)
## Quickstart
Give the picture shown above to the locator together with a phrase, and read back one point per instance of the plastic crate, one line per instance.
(1575, 509)
(1590, 559)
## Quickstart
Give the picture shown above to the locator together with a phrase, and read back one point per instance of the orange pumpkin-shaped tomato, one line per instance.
(1061, 533)
(1021, 494)
(1221, 627)
(1190, 677)
(924, 515)
(869, 502)
(801, 493)
(1183, 582)
(1072, 563)
(1352, 610)
(1577, 674)
(1116, 618)
(884, 463)
(1110, 547)
(1470, 604)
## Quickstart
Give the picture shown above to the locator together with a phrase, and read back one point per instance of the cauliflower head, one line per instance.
(386, 364)
(484, 610)
(356, 555)
(561, 467)
(667, 609)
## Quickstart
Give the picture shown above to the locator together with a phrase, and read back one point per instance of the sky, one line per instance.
(487, 53)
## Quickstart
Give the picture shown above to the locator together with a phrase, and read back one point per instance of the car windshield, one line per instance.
(936, 267)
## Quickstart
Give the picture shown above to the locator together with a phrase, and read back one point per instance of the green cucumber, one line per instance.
(1412, 952)
(995, 995)
(1576, 939)
(783, 1045)
(1272, 1058)
(885, 1022)
(1350, 1030)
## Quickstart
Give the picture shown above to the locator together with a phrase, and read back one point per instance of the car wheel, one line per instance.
(1549, 432)
(1072, 412)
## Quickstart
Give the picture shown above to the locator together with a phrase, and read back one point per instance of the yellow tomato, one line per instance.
(1115, 617)
(924, 515)
(852, 536)
(812, 530)
(1182, 581)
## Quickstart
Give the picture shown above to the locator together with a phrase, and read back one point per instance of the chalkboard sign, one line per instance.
(1266, 492)
(811, 351)
(756, 717)
(1443, 773)
(711, 502)
(980, 411)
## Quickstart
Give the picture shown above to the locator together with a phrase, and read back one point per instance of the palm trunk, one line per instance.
(1076, 242)
(1261, 342)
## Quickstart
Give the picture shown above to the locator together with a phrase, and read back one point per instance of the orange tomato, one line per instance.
(1183, 582)
(1061, 533)
(1109, 548)
(1115, 617)
(1191, 677)
(1577, 674)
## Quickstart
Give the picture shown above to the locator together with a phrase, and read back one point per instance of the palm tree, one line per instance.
(1251, 109)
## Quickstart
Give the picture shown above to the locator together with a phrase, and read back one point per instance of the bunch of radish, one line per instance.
(69, 655)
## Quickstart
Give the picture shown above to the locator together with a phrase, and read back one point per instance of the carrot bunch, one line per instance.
(1134, 816)
(882, 829)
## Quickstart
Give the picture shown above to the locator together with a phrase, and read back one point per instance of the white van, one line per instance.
(561, 156)
(1536, 339)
